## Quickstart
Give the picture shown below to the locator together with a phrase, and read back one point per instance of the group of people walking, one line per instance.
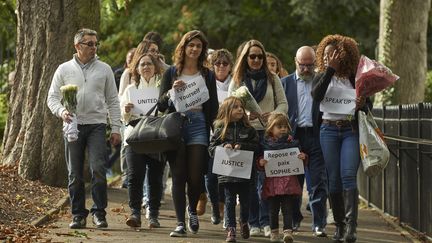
(292, 116)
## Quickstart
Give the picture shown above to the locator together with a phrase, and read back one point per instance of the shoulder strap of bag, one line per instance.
(151, 110)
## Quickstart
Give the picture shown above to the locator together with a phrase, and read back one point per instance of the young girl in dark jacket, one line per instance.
(280, 192)
(233, 130)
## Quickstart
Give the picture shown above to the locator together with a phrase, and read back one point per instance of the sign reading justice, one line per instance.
(230, 162)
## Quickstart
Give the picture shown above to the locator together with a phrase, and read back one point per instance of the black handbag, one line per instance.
(153, 134)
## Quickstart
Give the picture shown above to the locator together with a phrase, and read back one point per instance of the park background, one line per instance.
(37, 35)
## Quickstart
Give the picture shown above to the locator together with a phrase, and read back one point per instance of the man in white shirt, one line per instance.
(97, 96)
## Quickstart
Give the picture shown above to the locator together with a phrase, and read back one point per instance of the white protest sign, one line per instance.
(194, 93)
(283, 162)
(230, 162)
(143, 99)
(339, 101)
(222, 95)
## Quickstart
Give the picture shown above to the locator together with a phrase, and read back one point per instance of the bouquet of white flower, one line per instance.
(250, 103)
(69, 93)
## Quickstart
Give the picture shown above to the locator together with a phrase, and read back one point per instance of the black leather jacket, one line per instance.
(236, 133)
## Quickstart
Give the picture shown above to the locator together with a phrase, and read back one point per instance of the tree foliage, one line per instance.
(282, 26)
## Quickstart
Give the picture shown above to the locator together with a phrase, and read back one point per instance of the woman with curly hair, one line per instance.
(189, 162)
(337, 60)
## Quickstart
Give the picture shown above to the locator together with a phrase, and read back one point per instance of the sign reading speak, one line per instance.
(194, 93)
(283, 162)
(143, 99)
(230, 162)
(339, 101)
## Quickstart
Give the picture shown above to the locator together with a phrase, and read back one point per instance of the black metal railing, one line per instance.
(404, 189)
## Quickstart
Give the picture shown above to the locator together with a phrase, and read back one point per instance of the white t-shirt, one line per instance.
(187, 78)
(342, 84)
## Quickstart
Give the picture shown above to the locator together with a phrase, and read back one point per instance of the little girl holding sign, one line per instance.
(233, 130)
(280, 191)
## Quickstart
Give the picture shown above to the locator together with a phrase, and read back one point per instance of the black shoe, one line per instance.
(193, 224)
(153, 223)
(319, 232)
(78, 222)
(296, 226)
(99, 221)
(134, 221)
(215, 218)
(180, 230)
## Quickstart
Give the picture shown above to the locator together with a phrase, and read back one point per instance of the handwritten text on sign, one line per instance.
(143, 99)
(283, 162)
(230, 162)
(194, 93)
(339, 101)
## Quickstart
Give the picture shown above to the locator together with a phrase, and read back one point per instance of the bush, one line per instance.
(428, 89)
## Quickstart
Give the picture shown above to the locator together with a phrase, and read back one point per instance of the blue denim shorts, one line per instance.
(195, 131)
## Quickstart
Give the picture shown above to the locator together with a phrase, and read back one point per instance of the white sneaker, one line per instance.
(267, 231)
(255, 231)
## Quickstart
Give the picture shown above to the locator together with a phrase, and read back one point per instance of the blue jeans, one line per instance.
(316, 177)
(340, 147)
(259, 210)
(92, 137)
(231, 192)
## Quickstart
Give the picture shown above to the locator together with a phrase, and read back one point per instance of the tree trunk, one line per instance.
(402, 47)
(33, 136)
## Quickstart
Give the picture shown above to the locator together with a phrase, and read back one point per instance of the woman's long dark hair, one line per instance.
(179, 54)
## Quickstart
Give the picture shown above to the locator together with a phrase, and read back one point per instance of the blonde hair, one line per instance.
(224, 115)
(277, 118)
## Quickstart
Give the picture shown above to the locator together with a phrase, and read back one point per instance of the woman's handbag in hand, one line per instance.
(373, 149)
(155, 134)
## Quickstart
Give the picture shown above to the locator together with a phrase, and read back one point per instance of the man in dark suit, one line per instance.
(298, 87)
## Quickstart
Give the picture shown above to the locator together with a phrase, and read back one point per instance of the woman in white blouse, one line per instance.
(146, 74)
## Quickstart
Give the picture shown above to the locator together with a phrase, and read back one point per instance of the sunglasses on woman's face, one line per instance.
(218, 64)
(254, 56)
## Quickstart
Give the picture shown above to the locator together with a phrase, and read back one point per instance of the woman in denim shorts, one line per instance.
(189, 162)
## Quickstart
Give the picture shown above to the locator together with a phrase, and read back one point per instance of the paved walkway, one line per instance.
(372, 228)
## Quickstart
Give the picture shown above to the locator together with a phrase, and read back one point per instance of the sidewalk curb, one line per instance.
(403, 232)
(62, 203)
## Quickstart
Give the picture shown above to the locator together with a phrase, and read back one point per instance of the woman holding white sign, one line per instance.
(189, 163)
(282, 189)
(337, 60)
(251, 70)
(146, 72)
(233, 131)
